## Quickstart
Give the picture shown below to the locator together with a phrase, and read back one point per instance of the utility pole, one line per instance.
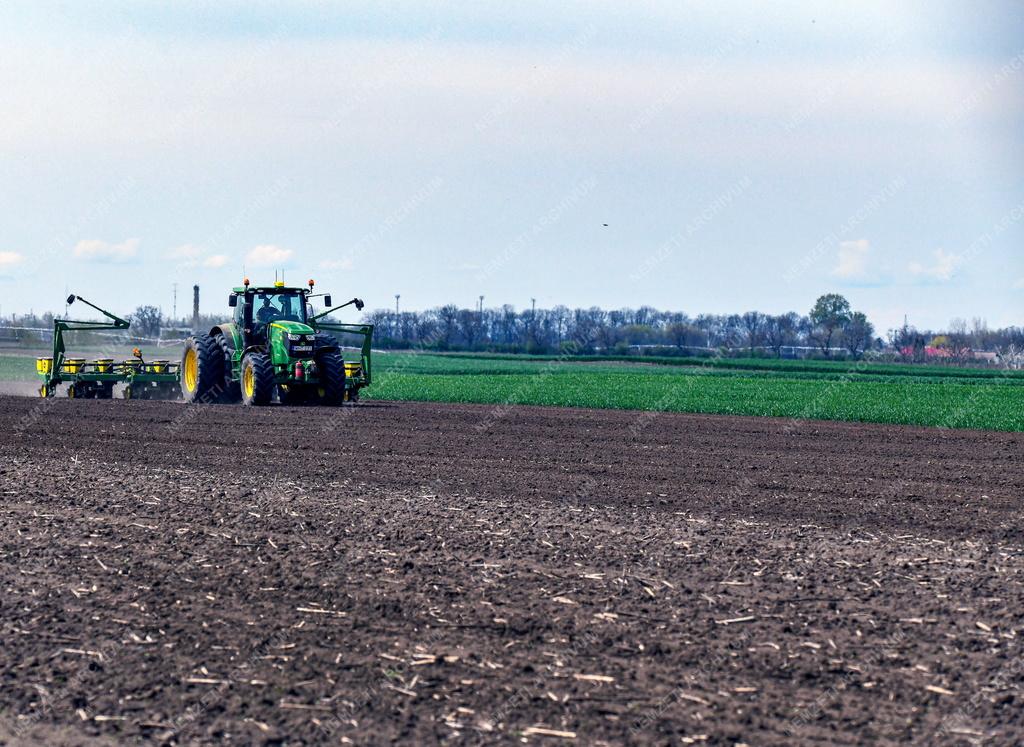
(174, 312)
(397, 328)
(480, 319)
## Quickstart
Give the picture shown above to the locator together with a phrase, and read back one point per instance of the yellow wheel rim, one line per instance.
(249, 381)
(191, 372)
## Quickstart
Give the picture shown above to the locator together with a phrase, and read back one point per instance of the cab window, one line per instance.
(277, 307)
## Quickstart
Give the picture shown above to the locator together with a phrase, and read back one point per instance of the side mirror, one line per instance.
(71, 299)
(327, 301)
(232, 300)
(359, 304)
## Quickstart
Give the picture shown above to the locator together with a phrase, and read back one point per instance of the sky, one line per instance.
(706, 157)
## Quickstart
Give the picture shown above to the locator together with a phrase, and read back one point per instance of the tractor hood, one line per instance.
(293, 328)
(290, 341)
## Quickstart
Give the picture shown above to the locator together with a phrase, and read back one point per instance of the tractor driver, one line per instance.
(267, 312)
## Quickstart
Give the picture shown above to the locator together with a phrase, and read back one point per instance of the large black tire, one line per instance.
(257, 380)
(232, 389)
(202, 370)
(332, 379)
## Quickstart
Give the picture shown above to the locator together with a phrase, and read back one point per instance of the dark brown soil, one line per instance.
(428, 573)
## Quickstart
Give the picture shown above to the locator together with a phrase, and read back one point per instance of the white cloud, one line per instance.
(853, 259)
(1019, 285)
(215, 261)
(94, 250)
(190, 255)
(9, 259)
(337, 264)
(943, 269)
(266, 255)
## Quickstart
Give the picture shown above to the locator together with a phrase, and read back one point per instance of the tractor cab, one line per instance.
(257, 308)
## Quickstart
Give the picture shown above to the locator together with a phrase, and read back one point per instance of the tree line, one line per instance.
(830, 329)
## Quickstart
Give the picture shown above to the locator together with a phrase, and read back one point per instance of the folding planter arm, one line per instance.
(60, 326)
(357, 302)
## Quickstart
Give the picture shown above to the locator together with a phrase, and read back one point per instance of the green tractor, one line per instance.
(275, 345)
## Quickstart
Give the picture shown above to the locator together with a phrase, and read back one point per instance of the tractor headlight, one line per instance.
(294, 338)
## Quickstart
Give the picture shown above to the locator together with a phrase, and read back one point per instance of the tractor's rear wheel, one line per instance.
(202, 369)
(332, 379)
(257, 379)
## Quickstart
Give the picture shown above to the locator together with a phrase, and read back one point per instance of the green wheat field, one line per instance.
(875, 393)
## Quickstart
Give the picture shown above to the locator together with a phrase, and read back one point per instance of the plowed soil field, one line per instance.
(432, 573)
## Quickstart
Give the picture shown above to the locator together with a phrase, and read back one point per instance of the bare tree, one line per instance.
(781, 330)
(449, 318)
(677, 334)
(858, 334)
(711, 326)
(958, 342)
(470, 326)
(753, 325)
(147, 321)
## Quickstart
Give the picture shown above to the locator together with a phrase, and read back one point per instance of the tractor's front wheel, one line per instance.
(202, 369)
(332, 379)
(257, 379)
